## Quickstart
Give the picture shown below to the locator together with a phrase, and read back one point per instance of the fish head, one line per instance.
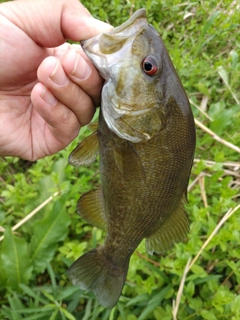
(130, 59)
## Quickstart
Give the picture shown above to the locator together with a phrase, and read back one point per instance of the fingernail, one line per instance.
(48, 97)
(61, 50)
(58, 75)
(81, 69)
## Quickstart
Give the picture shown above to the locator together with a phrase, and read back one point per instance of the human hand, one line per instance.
(48, 88)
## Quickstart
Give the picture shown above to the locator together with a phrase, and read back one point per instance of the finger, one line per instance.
(61, 121)
(81, 71)
(52, 75)
(68, 19)
(83, 27)
(78, 24)
(60, 51)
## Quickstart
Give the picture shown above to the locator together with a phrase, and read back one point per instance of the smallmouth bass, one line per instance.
(146, 141)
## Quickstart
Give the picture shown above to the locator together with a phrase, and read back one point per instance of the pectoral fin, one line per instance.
(91, 208)
(86, 152)
(128, 161)
(172, 230)
(93, 126)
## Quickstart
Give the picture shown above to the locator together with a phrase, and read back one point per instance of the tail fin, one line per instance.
(94, 272)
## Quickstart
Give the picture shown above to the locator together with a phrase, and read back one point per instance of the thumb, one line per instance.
(78, 23)
(50, 22)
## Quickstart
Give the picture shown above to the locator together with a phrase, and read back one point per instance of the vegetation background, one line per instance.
(203, 40)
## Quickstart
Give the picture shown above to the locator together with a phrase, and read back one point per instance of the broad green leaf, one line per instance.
(198, 270)
(223, 74)
(203, 89)
(15, 260)
(204, 36)
(131, 317)
(161, 314)
(54, 315)
(67, 314)
(87, 314)
(67, 291)
(198, 280)
(190, 288)
(53, 279)
(15, 304)
(154, 302)
(157, 270)
(42, 315)
(138, 299)
(7, 313)
(208, 315)
(50, 306)
(209, 22)
(48, 295)
(47, 233)
(30, 310)
(235, 306)
(105, 315)
(31, 293)
(119, 307)
(222, 297)
(3, 279)
(234, 57)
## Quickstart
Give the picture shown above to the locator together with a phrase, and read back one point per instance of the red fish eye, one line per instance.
(150, 66)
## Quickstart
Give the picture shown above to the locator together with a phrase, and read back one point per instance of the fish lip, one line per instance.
(141, 13)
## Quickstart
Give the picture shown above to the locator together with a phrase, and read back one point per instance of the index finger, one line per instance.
(81, 71)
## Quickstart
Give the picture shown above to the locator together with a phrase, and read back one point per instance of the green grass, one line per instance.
(203, 40)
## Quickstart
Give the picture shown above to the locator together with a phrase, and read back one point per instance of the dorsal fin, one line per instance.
(172, 230)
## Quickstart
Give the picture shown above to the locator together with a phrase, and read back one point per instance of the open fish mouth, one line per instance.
(125, 31)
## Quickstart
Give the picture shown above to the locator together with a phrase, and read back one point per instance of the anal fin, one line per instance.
(90, 207)
(173, 229)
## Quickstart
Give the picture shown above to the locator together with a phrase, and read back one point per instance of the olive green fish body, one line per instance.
(146, 140)
(144, 195)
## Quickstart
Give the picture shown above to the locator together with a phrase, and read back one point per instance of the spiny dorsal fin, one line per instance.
(172, 230)
(86, 152)
(91, 208)
(128, 160)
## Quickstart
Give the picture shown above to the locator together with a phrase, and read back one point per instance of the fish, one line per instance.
(145, 139)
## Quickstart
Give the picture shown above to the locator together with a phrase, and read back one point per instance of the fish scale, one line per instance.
(146, 140)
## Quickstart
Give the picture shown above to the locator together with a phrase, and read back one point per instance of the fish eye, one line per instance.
(150, 65)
